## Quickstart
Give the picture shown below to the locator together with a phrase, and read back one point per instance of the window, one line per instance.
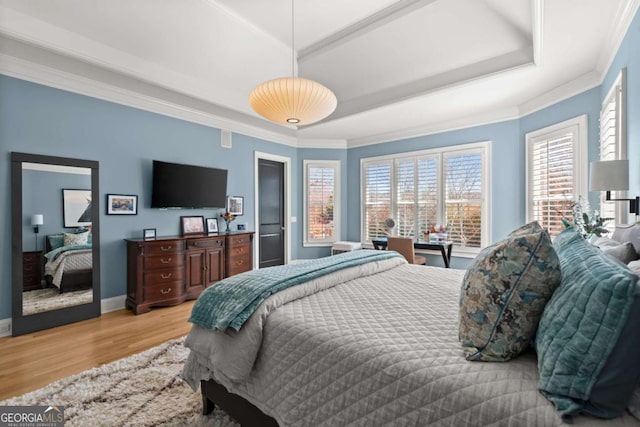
(320, 202)
(613, 144)
(556, 172)
(445, 186)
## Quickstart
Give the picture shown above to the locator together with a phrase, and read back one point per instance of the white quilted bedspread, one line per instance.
(382, 350)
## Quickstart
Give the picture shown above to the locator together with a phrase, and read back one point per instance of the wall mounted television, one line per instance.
(186, 186)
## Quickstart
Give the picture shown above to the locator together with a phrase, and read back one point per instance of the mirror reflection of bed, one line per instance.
(67, 274)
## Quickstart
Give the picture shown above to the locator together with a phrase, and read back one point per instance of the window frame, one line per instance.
(483, 147)
(577, 125)
(618, 91)
(335, 165)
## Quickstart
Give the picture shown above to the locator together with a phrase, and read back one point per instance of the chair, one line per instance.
(404, 246)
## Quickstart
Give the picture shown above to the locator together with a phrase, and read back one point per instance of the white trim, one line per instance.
(287, 205)
(108, 305)
(624, 17)
(336, 166)
(5, 327)
(577, 125)
(537, 30)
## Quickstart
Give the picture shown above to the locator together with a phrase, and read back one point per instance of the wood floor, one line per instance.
(29, 362)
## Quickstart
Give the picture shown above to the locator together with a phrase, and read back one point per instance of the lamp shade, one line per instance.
(37, 219)
(609, 175)
(293, 100)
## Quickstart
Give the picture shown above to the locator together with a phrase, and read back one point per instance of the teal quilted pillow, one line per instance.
(504, 293)
(589, 333)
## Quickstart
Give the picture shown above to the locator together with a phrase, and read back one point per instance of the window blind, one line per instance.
(463, 202)
(377, 195)
(320, 202)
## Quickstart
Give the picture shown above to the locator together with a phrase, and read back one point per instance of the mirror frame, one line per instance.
(50, 319)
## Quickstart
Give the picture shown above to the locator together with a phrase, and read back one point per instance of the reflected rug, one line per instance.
(140, 390)
(40, 300)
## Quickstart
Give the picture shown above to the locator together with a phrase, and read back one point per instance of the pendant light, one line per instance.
(292, 100)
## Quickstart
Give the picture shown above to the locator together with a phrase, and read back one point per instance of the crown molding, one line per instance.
(322, 143)
(624, 17)
(48, 76)
(496, 116)
(560, 93)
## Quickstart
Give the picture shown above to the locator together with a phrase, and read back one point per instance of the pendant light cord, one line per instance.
(293, 72)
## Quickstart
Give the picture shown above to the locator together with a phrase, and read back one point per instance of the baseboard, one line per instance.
(5, 327)
(113, 304)
(106, 305)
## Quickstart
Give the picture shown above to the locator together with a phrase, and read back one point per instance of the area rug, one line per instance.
(141, 390)
(40, 300)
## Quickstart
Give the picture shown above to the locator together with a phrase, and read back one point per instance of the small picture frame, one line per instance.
(190, 225)
(149, 233)
(122, 204)
(212, 225)
(235, 205)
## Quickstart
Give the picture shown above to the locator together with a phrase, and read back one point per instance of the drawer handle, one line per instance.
(165, 261)
(165, 291)
(165, 276)
(240, 262)
(165, 248)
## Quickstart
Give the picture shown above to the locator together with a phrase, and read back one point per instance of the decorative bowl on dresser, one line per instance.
(170, 270)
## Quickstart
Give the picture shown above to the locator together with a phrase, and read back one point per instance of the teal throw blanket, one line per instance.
(54, 254)
(229, 303)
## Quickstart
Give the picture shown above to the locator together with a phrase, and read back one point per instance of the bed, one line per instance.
(68, 267)
(374, 344)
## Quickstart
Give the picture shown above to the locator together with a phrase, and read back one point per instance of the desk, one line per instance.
(444, 247)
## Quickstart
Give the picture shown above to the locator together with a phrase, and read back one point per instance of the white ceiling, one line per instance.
(398, 68)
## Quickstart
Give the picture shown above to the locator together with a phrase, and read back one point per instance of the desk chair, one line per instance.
(404, 246)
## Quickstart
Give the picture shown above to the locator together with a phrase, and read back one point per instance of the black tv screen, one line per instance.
(186, 186)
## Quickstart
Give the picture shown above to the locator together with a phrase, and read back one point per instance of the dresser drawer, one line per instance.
(238, 251)
(205, 243)
(162, 291)
(242, 239)
(164, 275)
(237, 265)
(164, 261)
(163, 248)
(31, 257)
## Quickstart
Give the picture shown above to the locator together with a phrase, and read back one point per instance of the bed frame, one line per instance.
(76, 280)
(237, 407)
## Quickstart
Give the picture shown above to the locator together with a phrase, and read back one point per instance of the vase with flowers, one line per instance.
(586, 222)
(228, 217)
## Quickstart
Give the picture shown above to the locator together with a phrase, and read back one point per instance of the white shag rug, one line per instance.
(140, 390)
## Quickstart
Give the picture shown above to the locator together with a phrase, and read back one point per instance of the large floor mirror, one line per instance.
(55, 241)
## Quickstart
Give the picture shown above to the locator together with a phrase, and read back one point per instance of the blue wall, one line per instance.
(628, 56)
(42, 120)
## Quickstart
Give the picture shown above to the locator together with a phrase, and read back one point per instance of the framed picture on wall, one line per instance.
(190, 225)
(122, 204)
(235, 205)
(212, 225)
(76, 207)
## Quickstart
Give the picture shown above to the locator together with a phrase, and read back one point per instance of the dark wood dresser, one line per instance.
(31, 270)
(170, 270)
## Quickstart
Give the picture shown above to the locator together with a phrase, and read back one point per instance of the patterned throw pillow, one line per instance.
(504, 293)
(76, 238)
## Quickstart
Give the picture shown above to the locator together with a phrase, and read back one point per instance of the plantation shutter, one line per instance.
(427, 193)
(406, 197)
(613, 147)
(552, 185)
(377, 194)
(463, 198)
(320, 203)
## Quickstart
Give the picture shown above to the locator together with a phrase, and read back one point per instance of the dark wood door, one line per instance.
(271, 230)
(215, 266)
(195, 270)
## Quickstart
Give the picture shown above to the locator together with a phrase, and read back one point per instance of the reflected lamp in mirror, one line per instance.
(36, 221)
(612, 175)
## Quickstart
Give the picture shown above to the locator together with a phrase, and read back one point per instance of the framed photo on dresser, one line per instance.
(212, 225)
(190, 225)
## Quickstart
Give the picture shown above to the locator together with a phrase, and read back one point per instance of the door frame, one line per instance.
(258, 155)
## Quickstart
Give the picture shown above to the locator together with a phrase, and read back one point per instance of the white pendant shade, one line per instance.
(293, 100)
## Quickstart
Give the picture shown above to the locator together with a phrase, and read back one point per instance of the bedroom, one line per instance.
(65, 113)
